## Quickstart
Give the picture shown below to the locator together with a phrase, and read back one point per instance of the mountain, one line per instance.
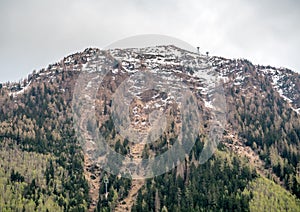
(50, 159)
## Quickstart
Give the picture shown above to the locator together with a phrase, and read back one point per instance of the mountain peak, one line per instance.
(179, 63)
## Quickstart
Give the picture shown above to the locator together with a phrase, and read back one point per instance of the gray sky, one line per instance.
(36, 33)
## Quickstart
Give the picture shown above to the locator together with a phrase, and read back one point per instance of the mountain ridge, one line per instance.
(262, 128)
(75, 61)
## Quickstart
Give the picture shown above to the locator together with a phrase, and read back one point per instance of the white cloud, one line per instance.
(36, 33)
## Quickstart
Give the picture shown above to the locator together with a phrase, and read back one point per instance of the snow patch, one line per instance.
(208, 104)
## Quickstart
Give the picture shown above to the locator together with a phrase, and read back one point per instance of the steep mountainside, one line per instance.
(43, 166)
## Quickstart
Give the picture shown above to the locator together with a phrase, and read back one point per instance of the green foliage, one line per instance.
(267, 124)
(36, 129)
(20, 188)
(118, 189)
(214, 186)
(16, 177)
(267, 196)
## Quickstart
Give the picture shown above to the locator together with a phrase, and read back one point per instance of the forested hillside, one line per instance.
(41, 162)
(256, 167)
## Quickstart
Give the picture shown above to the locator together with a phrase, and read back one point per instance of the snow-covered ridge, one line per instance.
(285, 82)
(198, 71)
(172, 64)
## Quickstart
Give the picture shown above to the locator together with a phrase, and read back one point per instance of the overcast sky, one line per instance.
(36, 33)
